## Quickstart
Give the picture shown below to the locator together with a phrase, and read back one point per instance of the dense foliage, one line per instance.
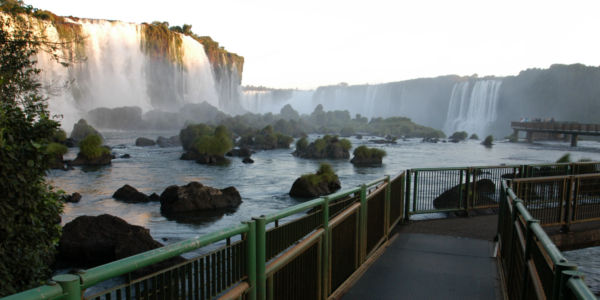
(91, 147)
(329, 146)
(325, 173)
(29, 208)
(459, 136)
(365, 152)
(265, 139)
(203, 139)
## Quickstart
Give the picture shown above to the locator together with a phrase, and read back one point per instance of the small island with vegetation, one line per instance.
(365, 156)
(204, 144)
(329, 146)
(323, 182)
(265, 139)
(92, 153)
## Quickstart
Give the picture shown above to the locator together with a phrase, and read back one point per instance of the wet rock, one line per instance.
(303, 187)
(164, 142)
(197, 197)
(73, 198)
(240, 152)
(248, 160)
(102, 160)
(129, 194)
(125, 156)
(89, 241)
(451, 198)
(144, 142)
(81, 129)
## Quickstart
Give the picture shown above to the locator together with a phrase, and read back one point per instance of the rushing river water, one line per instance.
(264, 185)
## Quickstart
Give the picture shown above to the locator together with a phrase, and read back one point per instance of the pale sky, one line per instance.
(308, 43)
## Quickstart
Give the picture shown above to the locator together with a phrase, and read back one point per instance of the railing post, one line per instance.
(386, 209)
(261, 254)
(251, 258)
(528, 245)
(406, 186)
(363, 224)
(325, 270)
(71, 285)
(562, 273)
(415, 191)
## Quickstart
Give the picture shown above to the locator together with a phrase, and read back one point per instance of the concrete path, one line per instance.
(427, 266)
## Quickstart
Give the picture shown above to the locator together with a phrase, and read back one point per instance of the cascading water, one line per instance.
(116, 72)
(472, 110)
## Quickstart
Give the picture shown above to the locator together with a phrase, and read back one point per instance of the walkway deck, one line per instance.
(426, 266)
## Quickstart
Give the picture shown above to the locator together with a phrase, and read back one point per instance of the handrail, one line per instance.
(562, 270)
(101, 273)
(39, 293)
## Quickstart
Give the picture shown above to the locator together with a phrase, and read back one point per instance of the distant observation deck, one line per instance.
(566, 128)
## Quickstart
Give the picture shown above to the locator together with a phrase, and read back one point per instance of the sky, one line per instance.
(310, 43)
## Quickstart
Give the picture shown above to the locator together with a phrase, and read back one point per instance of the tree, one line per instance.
(29, 208)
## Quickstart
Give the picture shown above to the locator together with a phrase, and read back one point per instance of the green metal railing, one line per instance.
(561, 200)
(532, 266)
(310, 250)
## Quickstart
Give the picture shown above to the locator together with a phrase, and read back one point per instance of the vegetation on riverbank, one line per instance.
(29, 208)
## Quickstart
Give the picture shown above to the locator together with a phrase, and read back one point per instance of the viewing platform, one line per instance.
(364, 243)
(565, 128)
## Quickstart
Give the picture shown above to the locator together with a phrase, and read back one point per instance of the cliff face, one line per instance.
(113, 64)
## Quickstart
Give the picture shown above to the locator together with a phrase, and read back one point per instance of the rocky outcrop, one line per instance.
(81, 129)
(102, 160)
(451, 198)
(129, 194)
(73, 198)
(304, 188)
(127, 117)
(327, 147)
(197, 197)
(248, 160)
(240, 152)
(204, 159)
(144, 142)
(90, 241)
(164, 142)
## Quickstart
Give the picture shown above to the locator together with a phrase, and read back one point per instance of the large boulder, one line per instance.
(144, 142)
(128, 193)
(81, 129)
(90, 241)
(82, 160)
(168, 142)
(197, 197)
(240, 152)
(450, 198)
(126, 117)
(204, 159)
(304, 188)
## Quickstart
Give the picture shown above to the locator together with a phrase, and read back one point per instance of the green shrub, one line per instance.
(91, 147)
(217, 142)
(301, 144)
(325, 173)
(474, 136)
(190, 133)
(346, 145)
(29, 208)
(366, 152)
(459, 136)
(59, 136)
(488, 140)
(56, 149)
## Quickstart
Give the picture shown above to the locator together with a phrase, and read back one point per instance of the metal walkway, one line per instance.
(426, 266)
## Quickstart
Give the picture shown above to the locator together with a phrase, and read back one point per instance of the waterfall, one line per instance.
(116, 72)
(472, 110)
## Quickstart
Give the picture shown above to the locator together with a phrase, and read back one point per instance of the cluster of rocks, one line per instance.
(161, 141)
(184, 199)
(243, 152)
